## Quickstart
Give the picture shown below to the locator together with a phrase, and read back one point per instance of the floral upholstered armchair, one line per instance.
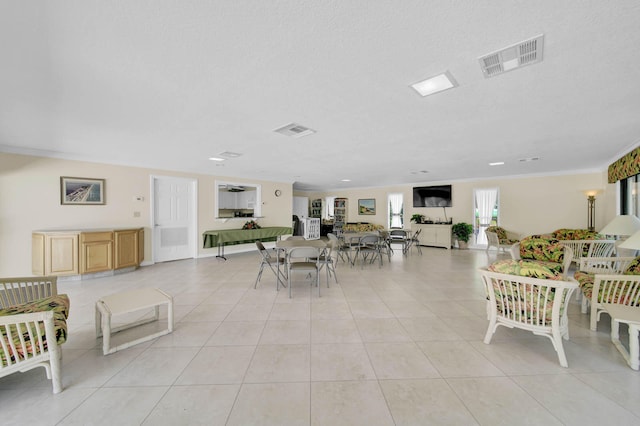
(608, 280)
(532, 295)
(500, 238)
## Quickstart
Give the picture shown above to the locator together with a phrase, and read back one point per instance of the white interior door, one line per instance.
(174, 218)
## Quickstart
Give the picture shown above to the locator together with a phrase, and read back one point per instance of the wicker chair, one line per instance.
(32, 326)
(500, 238)
(608, 280)
(534, 304)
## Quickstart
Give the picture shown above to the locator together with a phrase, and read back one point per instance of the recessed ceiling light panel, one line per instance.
(216, 159)
(517, 55)
(497, 163)
(435, 84)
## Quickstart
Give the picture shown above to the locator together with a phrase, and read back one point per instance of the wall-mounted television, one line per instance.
(432, 196)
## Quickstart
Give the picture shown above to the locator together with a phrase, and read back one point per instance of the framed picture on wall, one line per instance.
(367, 206)
(81, 191)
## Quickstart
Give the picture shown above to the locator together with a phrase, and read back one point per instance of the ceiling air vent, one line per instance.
(510, 58)
(294, 130)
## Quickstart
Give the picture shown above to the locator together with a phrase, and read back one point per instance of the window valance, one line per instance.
(627, 166)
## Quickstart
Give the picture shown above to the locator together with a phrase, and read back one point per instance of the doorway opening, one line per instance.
(486, 213)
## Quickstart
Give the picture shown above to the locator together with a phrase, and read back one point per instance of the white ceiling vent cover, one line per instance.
(510, 58)
(294, 130)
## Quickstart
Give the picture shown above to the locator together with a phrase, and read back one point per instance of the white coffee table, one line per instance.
(631, 316)
(127, 302)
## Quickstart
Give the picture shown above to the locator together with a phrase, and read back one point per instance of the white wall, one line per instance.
(301, 207)
(30, 200)
(528, 205)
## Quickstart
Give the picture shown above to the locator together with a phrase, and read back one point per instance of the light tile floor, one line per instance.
(401, 344)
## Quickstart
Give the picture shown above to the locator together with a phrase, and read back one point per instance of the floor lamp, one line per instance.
(591, 209)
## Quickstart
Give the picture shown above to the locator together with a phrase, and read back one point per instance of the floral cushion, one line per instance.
(545, 249)
(633, 268)
(361, 227)
(502, 235)
(528, 268)
(533, 305)
(576, 234)
(586, 281)
(59, 304)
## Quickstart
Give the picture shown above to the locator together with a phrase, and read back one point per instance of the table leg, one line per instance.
(221, 251)
(634, 347)
(106, 334)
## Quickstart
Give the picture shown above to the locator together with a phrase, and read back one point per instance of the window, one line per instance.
(396, 207)
(629, 195)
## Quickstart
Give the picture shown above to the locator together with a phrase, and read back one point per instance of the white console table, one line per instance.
(433, 234)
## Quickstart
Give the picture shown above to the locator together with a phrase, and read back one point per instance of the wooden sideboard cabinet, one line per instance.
(433, 234)
(82, 252)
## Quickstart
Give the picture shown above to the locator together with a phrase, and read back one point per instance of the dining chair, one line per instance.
(398, 236)
(368, 245)
(327, 261)
(385, 244)
(414, 241)
(340, 247)
(274, 263)
(299, 259)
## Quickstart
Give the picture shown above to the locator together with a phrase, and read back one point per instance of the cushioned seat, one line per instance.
(528, 268)
(59, 304)
(538, 249)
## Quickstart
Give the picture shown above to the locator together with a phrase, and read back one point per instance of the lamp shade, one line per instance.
(625, 224)
(633, 242)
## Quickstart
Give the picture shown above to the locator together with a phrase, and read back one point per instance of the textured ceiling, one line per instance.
(167, 84)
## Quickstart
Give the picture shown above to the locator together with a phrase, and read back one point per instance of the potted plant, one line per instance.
(462, 232)
(417, 218)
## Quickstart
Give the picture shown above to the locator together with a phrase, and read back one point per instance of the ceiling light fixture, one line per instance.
(497, 163)
(526, 160)
(435, 84)
(216, 159)
(229, 154)
(345, 180)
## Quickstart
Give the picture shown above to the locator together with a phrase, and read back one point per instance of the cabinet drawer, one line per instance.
(89, 237)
